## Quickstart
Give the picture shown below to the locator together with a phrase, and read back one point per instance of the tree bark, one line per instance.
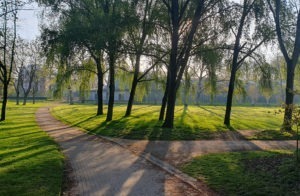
(133, 85)
(18, 98)
(163, 104)
(111, 87)
(289, 99)
(229, 97)
(172, 69)
(234, 65)
(4, 102)
(99, 89)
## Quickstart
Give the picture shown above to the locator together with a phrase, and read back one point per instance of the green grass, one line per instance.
(248, 173)
(196, 122)
(30, 162)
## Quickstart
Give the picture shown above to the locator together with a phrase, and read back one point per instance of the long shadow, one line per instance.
(210, 111)
(19, 135)
(184, 112)
(25, 157)
(15, 152)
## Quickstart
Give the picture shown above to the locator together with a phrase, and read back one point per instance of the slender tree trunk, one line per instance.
(235, 65)
(229, 97)
(18, 98)
(169, 120)
(171, 89)
(289, 99)
(33, 96)
(111, 87)
(25, 98)
(133, 85)
(4, 103)
(172, 69)
(100, 94)
(163, 105)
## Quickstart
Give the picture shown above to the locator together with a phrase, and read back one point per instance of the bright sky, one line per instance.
(28, 24)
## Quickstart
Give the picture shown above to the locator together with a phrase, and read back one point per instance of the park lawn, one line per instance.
(248, 173)
(195, 122)
(30, 162)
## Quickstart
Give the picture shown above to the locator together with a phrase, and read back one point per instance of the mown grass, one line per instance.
(194, 122)
(248, 173)
(30, 162)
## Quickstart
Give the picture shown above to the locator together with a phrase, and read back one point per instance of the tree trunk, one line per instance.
(172, 69)
(25, 98)
(163, 105)
(4, 103)
(33, 96)
(131, 96)
(134, 85)
(289, 99)
(235, 65)
(18, 98)
(100, 93)
(229, 97)
(111, 87)
(171, 90)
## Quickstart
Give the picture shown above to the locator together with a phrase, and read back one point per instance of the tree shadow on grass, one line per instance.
(210, 111)
(123, 128)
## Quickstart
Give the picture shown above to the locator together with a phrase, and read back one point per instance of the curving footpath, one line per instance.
(101, 167)
(112, 166)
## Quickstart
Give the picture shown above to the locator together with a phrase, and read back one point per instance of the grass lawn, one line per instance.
(195, 122)
(248, 173)
(30, 162)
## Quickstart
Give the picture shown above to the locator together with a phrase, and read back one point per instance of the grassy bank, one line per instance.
(248, 173)
(194, 122)
(30, 162)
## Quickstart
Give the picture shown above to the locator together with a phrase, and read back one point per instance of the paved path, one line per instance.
(103, 168)
(178, 152)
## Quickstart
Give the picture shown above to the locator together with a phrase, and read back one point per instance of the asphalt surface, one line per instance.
(100, 167)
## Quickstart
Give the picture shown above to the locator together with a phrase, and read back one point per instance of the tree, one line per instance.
(245, 14)
(9, 10)
(28, 76)
(286, 16)
(19, 68)
(184, 19)
(102, 25)
(138, 35)
(79, 27)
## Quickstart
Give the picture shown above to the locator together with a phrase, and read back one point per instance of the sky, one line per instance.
(28, 22)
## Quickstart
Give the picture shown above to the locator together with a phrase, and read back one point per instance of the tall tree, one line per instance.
(286, 16)
(28, 76)
(138, 35)
(184, 19)
(79, 27)
(246, 12)
(9, 10)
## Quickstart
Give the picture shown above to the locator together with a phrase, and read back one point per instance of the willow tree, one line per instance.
(78, 27)
(184, 18)
(286, 16)
(250, 12)
(139, 36)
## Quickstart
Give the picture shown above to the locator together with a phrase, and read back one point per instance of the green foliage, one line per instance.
(194, 122)
(30, 162)
(248, 173)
